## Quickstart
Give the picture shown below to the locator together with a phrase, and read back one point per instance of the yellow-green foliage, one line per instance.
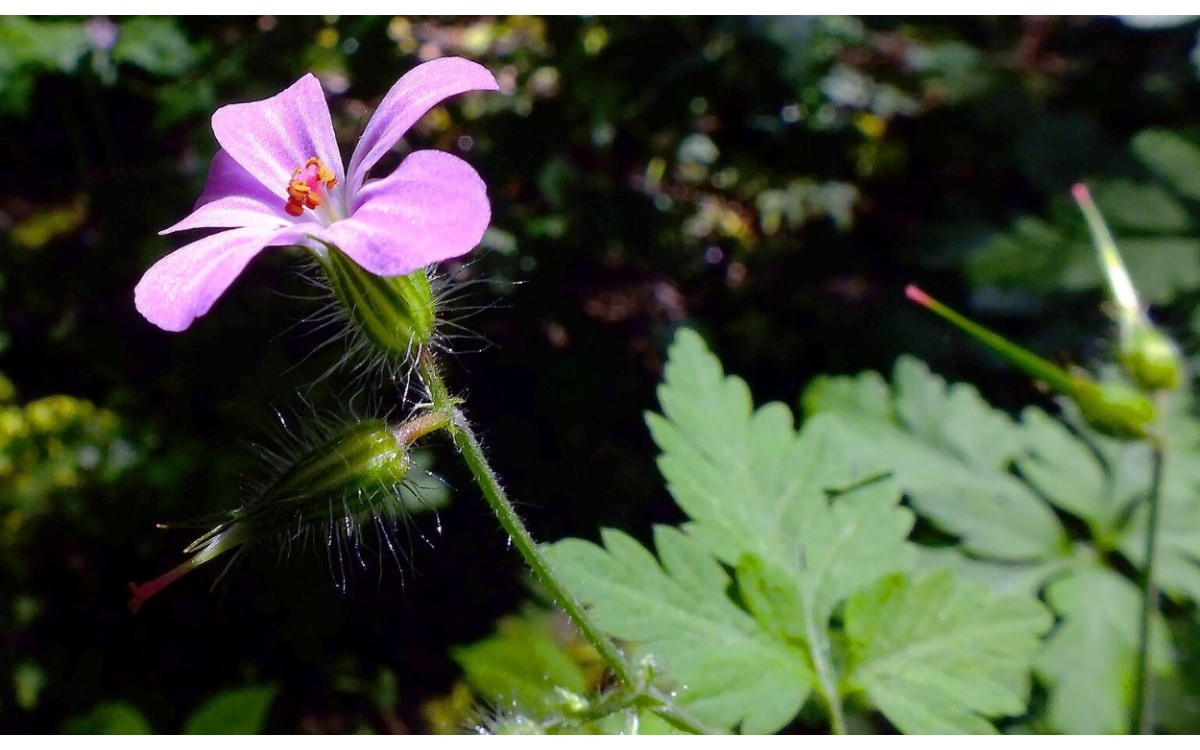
(47, 446)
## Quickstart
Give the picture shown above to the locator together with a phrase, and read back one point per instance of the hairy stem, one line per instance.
(472, 453)
(1143, 720)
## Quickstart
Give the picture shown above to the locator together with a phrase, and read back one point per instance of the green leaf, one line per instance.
(726, 668)
(1178, 562)
(807, 522)
(1161, 267)
(1066, 471)
(110, 717)
(240, 710)
(156, 45)
(1140, 206)
(755, 488)
(939, 657)
(520, 665)
(1099, 479)
(1030, 254)
(1001, 577)
(1173, 158)
(1089, 660)
(950, 452)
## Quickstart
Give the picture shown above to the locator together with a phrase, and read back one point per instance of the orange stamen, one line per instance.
(303, 191)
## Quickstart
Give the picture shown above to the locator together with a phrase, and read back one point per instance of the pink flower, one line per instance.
(278, 180)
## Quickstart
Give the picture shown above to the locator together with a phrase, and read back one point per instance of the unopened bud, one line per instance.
(1151, 357)
(395, 314)
(348, 479)
(1113, 409)
(1109, 408)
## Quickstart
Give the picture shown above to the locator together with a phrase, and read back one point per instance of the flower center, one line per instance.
(305, 189)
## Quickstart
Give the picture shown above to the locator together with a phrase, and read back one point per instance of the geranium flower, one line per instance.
(278, 180)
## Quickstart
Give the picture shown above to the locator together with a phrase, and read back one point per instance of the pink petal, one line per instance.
(418, 91)
(273, 137)
(226, 177)
(234, 211)
(433, 207)
(184, 285)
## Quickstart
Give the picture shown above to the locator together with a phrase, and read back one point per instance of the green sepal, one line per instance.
(1151, 357)
(395, 314)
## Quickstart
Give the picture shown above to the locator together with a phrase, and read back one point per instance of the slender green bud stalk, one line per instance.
(395, 314)
(348, 479)
(1109, 408)
(1150, 356)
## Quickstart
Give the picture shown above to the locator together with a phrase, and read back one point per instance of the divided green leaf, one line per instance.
(725, 667)
(937, 656)
(806, 523)
(1001, 487)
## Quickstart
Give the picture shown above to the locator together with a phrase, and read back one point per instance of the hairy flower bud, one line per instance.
(346, 481)
(395, 315)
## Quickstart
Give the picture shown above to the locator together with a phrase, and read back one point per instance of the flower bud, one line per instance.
(1113, 409)
(345, 481)
(1151, 357)
(1109, 408)
(396, 315)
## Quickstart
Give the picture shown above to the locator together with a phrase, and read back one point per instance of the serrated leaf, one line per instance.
(951, 453)
(1101, 479)
(755, 488)
(1090, 658)
(1066, 471)
(241, 710)
(727, 670)
(938, 656)
(1175, 159)
(1001, 577)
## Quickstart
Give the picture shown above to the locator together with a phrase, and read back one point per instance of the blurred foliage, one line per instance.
(773, 182)
(529, 662)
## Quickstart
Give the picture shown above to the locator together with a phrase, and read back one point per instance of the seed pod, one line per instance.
(1150, 356)
(346, 481)
(396, 315)
(1109, 408)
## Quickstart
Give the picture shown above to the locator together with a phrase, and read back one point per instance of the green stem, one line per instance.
(472, 453)
(827, 684)
(1143, 720)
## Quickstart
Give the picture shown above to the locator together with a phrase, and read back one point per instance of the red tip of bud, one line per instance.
(150, 588)
(1080, 193)
(139, 598)
(916, 295)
